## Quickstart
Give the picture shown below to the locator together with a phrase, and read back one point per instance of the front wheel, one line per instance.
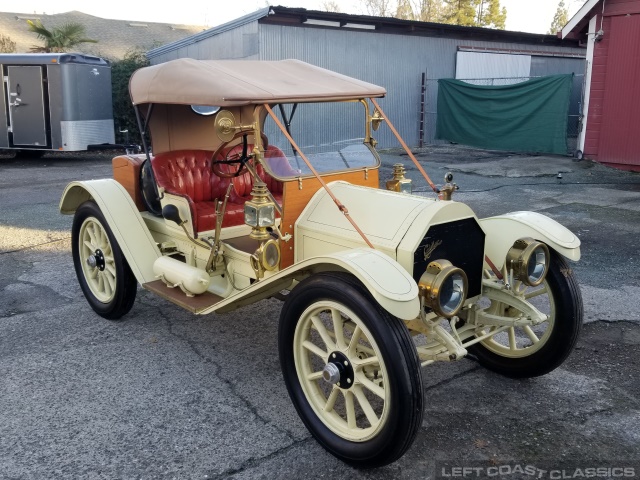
(527, 351)
(104, 275)
(351, 370)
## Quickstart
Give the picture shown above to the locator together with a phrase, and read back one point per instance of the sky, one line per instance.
(522, 15)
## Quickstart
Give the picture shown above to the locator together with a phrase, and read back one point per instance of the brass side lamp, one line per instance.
(260, 215)
(260, 212)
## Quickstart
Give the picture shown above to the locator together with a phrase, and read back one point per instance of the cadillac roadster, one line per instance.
(261, 179)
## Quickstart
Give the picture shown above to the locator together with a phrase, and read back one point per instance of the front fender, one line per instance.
(121, 213)
(389, 284)
(503, 230)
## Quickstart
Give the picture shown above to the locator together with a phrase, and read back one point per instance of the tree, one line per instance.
(560, 19)
(428, 11)
(404, 10)
(330, 6)
(476, 13)
(490, 15)
(124, 116)
(60, 39)
(6, 44)
(378, 8)
(460, 12)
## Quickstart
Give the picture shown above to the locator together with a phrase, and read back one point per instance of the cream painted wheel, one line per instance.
(102, 269)
(96, 258)
(531, 351)
(356, 406)
(351, 370)
(522, 341)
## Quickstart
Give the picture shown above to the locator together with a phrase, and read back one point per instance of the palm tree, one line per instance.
(60, 39)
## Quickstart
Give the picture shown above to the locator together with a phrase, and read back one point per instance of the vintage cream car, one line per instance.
(263, 182)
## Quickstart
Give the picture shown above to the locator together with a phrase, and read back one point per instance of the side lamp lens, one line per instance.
(529, 261)
(444, 288)
(266, 215)
(250, 215)
(406, 187)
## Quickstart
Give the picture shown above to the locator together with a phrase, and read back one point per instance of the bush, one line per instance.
(6, 44)
(124, 116)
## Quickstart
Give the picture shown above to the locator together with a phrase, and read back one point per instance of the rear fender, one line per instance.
(385, 279)
(121, 213)
(503, 230)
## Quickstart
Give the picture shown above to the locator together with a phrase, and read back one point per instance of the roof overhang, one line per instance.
(227, 83)
(579, 20)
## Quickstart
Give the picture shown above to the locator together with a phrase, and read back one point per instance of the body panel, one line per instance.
(503, 230)
(121, 213)
(390, 285)
(394, 223)
(295, 199)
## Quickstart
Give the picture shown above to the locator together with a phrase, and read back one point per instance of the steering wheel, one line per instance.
(234, 164)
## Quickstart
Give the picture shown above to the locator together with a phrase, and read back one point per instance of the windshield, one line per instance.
(331, 135)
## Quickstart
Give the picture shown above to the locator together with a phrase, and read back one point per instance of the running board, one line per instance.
(195, 304)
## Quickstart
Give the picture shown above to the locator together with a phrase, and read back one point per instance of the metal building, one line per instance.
(394, 53)
(55, 102)
(611, 127)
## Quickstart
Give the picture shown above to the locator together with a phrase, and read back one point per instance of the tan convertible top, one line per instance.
(227, 83)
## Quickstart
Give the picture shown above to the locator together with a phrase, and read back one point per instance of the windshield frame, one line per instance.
(261, 115)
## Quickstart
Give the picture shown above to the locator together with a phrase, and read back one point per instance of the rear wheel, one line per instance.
(103, 273)
(530, 351)
(351, 370)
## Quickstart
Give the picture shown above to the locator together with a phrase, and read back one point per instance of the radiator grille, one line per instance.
(461, 242)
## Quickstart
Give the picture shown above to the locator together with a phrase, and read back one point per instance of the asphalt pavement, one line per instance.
(165, 394)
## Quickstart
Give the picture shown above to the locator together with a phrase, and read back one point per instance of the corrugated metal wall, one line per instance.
(240, 42)
(393, 61)
(478, 65)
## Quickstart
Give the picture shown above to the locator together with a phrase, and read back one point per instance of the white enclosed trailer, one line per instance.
(59, 102)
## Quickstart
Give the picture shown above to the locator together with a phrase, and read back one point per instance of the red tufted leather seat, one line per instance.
(188, 173)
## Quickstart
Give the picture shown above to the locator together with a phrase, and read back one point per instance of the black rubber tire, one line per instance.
(399, 355)
(126, 283)
(566, 329)
(29, 153)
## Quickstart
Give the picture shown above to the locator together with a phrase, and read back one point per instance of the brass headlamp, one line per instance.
(399, 183)
(260, 212)
(266, 257)
(443, 287)
(529, 261)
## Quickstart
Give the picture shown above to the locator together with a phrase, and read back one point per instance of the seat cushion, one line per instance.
(205, 213)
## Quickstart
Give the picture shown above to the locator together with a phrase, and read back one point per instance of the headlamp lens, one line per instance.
(537, 266)
(452, 294)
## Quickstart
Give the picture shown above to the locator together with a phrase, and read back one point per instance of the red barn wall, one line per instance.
(613, 125)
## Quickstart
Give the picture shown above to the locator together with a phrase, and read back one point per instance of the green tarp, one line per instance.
(527, 117)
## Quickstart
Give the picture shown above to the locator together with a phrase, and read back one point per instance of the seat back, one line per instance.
(188, 173)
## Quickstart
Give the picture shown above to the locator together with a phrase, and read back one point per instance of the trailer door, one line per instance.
(26, 106)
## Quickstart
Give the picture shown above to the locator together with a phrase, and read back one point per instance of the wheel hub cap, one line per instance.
(338, 371)
(331, 373)
(96, 260)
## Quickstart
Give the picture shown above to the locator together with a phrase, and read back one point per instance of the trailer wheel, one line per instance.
(351, 370)
(103, 272)
(29, 153)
